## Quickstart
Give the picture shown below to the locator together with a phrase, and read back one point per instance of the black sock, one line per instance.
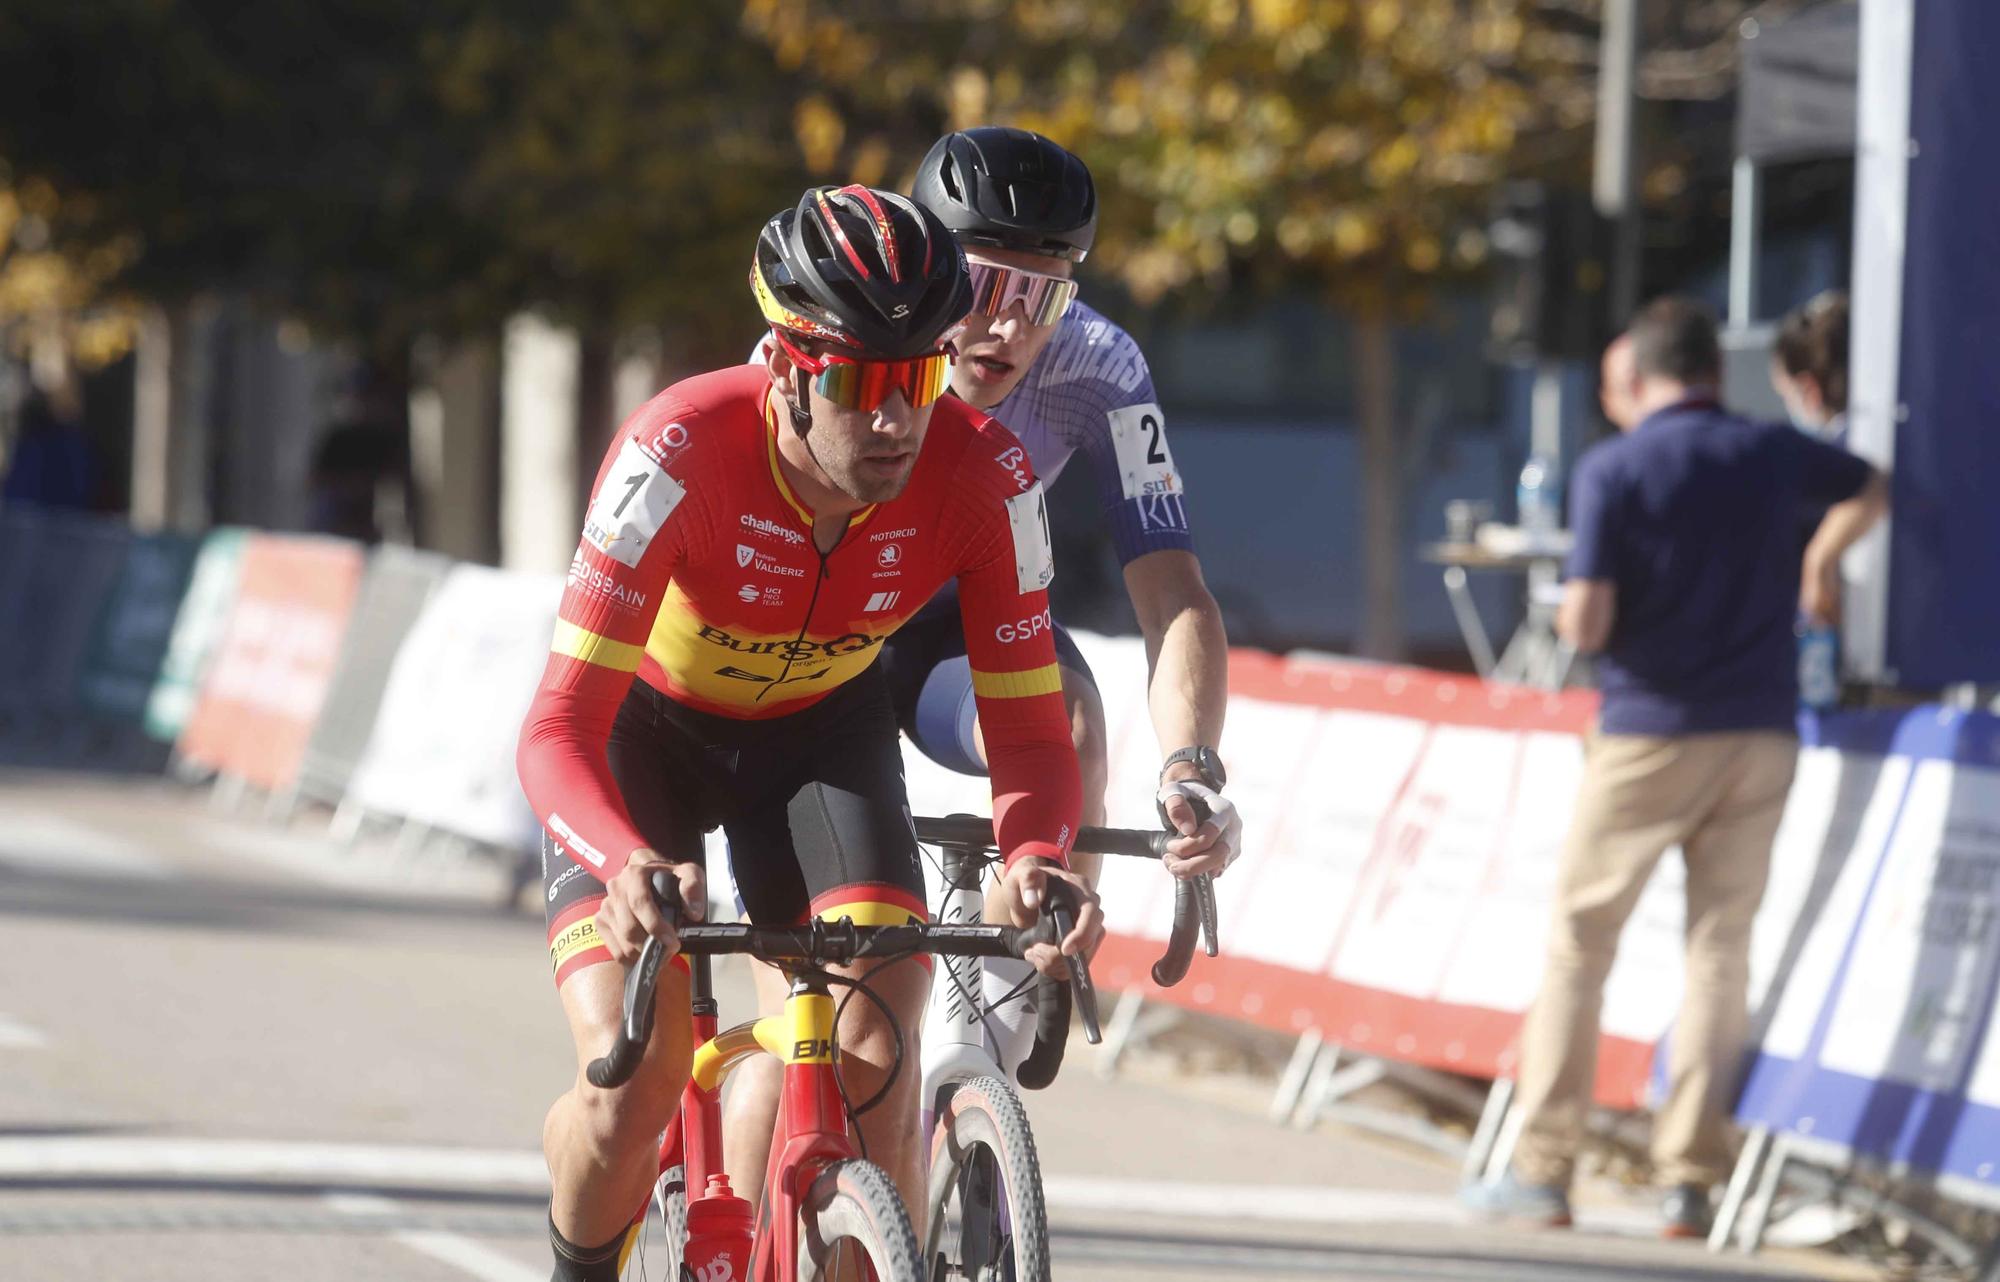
(585, 1263)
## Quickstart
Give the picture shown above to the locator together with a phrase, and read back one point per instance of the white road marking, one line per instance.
(1292, 1203)
(462, 1253)
(392, 1165)
(42, 842)
(14, 1035)
(58, 1157)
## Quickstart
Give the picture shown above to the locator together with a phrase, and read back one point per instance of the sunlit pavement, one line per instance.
(235, 1050)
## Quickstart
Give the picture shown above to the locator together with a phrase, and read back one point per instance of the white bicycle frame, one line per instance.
(956, 1045)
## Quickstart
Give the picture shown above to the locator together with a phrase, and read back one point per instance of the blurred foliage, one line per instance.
(56, 300)
(1349, 146)
(381, 169)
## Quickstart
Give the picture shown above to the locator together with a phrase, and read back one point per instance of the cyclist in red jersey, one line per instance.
(753, 536)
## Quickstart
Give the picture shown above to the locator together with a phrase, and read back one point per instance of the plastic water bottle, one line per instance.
(1819, 666)
(1538, 499)
(719, 1228)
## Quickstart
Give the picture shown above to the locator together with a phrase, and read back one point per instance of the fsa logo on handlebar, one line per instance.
(810, 1050)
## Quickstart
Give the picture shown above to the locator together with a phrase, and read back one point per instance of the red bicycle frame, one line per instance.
(812, 1120)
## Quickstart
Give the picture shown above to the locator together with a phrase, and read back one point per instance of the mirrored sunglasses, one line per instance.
(856, 384)
(1044, 299)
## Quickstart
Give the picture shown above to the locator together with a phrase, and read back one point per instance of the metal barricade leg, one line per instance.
(1503, 1144)
(1292, 1085)
(1466, 611)
(1487, 1133)
(1325, 1061)
(345, 825)
(1752, 1236)
(1755, 1145)
(1118, 1033)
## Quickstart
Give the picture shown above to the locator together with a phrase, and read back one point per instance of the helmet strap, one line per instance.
(797, 403)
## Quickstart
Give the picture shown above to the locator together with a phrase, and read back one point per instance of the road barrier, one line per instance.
(1403, 827)
(264, 690)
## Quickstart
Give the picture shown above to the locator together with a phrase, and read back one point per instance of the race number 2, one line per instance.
(1145, 464)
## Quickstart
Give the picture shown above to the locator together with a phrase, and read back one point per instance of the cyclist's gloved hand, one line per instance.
(629, 913)
(1025, 890)
(1205, 847)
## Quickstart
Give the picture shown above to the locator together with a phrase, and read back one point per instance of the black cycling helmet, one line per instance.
(866, 269)
(1011, 189)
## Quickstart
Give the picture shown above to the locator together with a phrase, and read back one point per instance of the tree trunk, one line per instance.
(596, 411)
(1381, 634)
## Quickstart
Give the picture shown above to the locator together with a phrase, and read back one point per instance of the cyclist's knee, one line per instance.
(870, 1039)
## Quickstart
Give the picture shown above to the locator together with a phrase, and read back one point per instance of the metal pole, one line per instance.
(1746, 214)
(1740, 1181)
(1614, 176)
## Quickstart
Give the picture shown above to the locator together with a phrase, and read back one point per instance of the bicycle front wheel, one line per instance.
(988, 1220)
(853, 1215)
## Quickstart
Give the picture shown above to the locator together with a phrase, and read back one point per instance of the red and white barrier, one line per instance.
(1401, 836)
(263, 691)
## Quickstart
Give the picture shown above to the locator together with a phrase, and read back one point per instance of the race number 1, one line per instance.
(1028, 522)
(634, 501)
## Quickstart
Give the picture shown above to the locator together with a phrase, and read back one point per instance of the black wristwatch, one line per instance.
(1205, 761)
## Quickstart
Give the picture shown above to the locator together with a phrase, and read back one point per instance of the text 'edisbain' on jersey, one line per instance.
(698, 573)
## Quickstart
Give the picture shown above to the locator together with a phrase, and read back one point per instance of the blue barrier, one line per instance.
(1882, 1042)
(57, 597)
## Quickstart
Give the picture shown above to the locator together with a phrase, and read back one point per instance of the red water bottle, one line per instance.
(719, 1228)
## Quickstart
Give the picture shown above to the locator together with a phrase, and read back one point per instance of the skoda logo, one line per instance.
(890, 555)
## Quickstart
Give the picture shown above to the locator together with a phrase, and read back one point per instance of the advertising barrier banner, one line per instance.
(442, 748)
(1402, 832)
(260, 697)
(393, 592)
(123, 659)
(1881, 1038)
(198, 625)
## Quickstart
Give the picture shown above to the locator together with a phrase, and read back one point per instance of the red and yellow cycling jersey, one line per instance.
(699, 574)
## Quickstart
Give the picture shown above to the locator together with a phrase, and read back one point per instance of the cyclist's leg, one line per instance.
(750, 1102)
(602, 1146)
(844, 823)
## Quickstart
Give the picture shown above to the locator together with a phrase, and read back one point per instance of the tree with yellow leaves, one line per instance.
(57, 307)
(1347, 147)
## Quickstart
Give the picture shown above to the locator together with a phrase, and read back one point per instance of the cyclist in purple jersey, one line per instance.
(1063, 378)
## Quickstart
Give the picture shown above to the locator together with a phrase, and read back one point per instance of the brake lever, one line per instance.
(1062, 910)
(1204, 900)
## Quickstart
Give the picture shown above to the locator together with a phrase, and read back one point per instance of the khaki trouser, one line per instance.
(1719, 796)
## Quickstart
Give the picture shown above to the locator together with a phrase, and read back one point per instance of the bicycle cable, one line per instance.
(895, 1027)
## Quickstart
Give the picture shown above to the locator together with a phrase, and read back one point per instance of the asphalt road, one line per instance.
(233, 1050)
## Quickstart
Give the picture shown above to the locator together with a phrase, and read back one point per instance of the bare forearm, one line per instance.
(1187, 654)
(1845, 523)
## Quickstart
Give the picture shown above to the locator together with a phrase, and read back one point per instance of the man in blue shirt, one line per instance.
(1685, 581)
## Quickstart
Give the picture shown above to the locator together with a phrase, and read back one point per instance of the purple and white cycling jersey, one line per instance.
(1090, 390)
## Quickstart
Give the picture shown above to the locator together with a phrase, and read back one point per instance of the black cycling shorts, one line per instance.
(930, 682)
(812, 803)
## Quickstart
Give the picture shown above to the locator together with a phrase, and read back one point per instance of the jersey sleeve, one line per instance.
(1000, 547)
(1116, 419)
(634, 535)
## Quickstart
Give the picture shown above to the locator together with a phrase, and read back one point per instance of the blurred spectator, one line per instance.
(1809, 366)
(348, 468)
(51, 462)
(1685, 575)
